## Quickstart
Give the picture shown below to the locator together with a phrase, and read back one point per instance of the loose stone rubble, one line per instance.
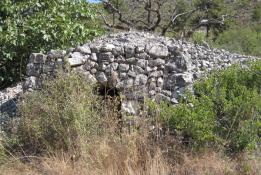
(8, 101)
(137, 64)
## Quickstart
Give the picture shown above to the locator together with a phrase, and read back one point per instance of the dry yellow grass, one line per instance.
(132, 155)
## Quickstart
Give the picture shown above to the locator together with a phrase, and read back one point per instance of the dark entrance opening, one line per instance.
(112, 105)
(108, 91)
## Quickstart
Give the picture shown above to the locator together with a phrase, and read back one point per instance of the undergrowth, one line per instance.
(67, 128)
(224, 112)
(61, 116)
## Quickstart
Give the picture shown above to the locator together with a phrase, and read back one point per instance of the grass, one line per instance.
(132, 155)
(66, 128)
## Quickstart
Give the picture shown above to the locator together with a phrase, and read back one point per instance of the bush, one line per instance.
(225, 110)
(62, 115)
(198, 37)
(256, 14)
(28, 26)
(244, 40)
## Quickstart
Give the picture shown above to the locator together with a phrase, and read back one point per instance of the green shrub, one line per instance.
(198, 37)
(28, 26)
(244, 40)
(60, 116)
(225, 110)
(256, 14)
(3, 155)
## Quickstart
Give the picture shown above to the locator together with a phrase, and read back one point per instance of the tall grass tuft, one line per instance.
(63, 115)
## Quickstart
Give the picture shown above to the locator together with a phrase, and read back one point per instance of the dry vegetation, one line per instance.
(131, 155)
(62, 132)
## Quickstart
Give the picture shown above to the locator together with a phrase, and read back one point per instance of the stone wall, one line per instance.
(8, 101)
(137, 64)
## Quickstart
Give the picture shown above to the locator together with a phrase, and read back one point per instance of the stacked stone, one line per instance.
(8, 102)
(42, 66)
(137, 64)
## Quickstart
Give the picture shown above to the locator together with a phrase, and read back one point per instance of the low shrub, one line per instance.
(225, 110)
(60, 116)
(198, 37)
(244, 40)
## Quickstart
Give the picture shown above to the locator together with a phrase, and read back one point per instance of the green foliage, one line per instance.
(172, 18)
(214, 6)
(256, 15)
(3, 155)
(61, 116)
(243, 35)
(243, 40)
(225, 110)
(28, 26)
(198, 37)
(211, 11)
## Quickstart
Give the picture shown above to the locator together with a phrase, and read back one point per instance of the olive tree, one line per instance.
(166, 16)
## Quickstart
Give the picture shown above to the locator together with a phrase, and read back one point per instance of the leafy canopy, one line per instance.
(39, 25)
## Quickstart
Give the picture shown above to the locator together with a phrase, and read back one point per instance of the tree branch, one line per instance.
(114, 9)
(157, 11)
(173, 19)
(209, 22)
(112, 25)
